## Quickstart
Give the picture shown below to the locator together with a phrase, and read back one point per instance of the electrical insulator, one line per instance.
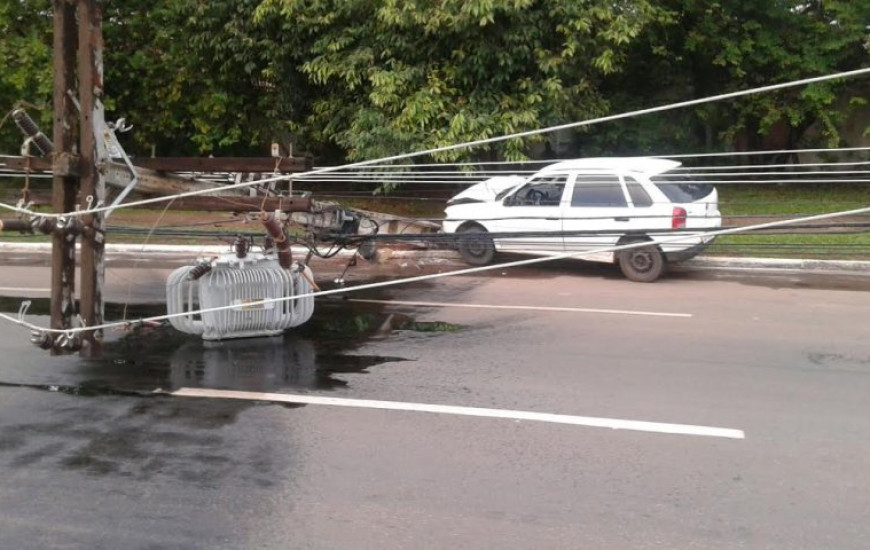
(45, 225)
(41, 340)
(198, 271)
(276, 232)
(241, 246)
(268, 244)
(29, 128)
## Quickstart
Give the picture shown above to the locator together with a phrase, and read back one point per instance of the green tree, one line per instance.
(370, 78)
(713, 47)
(199, 77)
(192, 77)
(25, 58)
(395, 76)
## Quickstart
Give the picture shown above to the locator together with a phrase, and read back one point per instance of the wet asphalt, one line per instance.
(95, 454)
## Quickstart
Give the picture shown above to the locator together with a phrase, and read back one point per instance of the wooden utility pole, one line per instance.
(82, 167)
(93, 156)
(77, 169)
(64, 184)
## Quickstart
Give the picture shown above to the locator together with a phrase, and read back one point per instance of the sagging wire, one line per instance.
(674, 156)
(486, 141)
(687, 175)
(365, 176)
(45, 331)
(696, 178)
(138, 258)
(343, 242)
(684, 172)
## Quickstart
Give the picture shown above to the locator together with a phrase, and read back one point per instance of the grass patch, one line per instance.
(851, 247)
(751, 204)
(792, 200)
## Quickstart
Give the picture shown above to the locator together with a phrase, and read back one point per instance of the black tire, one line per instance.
(475, 245)
(644, 264)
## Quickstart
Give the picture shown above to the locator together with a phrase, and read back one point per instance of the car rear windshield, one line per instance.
(680, 188)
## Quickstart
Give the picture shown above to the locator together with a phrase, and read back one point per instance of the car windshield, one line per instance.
(541, 191)
(502, 194)
(680, 188)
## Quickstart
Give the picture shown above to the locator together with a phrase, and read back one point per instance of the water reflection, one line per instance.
(315, 356)
(263, 364)
(161, 359)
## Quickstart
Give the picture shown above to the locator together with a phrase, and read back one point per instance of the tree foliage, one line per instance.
(720, 46)
(25, 65)
(370, 78)
(200, 77)
(398, 75)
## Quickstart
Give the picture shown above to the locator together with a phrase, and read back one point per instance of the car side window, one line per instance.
(638, 194)
(541, 191)
(598, 190)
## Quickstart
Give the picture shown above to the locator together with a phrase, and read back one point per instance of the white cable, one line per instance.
(768, 152)
(373, 174)
(697, 177)
(228, 176)
(761, 167)
(701, 178)
(676, 239)
(669, 156)
(767, 182)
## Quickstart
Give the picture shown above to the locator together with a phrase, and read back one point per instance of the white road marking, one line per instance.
(22, 289)
(526, 308)
(591, 421)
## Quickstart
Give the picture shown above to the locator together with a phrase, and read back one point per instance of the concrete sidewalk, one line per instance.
(191, 252)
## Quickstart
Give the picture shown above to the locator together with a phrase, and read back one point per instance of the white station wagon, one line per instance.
(587, 205)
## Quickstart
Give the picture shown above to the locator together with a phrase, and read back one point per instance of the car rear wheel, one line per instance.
(475, 245)
(644, 264)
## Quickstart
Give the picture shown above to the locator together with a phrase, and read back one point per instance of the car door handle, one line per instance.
(552, 219)
(620, 219)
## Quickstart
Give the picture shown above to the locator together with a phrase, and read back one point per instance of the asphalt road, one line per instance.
(91, 457)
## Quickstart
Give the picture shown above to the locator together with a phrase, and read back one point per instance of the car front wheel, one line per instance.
(475, 245)
(644, 264)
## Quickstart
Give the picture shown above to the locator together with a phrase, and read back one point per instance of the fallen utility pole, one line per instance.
(159, 180)
(149, 181)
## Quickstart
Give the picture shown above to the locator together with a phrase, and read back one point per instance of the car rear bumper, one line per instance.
(687, 253)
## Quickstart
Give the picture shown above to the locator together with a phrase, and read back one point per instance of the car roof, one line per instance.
(647, 165)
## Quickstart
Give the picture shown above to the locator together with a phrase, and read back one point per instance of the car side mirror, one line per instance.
(510, 200)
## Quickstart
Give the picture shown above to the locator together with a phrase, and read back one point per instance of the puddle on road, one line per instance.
(312, 357)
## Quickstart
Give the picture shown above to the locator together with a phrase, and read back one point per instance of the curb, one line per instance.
(778, 264)
(698, 263)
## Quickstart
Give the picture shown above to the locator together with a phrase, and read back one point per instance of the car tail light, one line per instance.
(678, 218)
